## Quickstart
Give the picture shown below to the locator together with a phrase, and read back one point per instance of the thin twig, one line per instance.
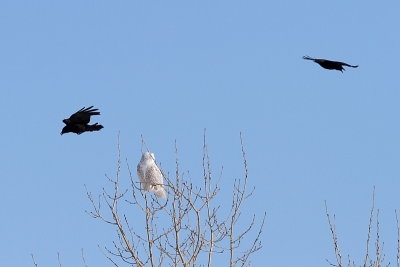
(33, 259)
(398, 240)
(369, 228)
(59, 260)
(332, 227)
(83, 258)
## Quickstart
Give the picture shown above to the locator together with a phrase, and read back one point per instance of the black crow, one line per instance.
(330, 65)
(78, 122)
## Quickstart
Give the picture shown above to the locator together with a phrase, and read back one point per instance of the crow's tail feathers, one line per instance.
(94, 127)
(352, 66)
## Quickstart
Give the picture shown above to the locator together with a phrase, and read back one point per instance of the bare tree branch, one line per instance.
(33, 260)
(83, 258)
(182, 229)
(58, 259)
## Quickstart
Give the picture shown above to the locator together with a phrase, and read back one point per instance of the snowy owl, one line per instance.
(150, 175)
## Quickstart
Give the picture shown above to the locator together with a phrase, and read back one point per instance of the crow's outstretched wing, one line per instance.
(308, 58)
(82, 116)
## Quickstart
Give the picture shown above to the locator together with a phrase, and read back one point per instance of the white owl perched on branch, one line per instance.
(150, 176)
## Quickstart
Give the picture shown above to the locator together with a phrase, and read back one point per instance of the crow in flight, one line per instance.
(78, 122)
(330, 65)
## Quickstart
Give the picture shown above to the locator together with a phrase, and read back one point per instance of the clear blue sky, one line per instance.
(169, 69)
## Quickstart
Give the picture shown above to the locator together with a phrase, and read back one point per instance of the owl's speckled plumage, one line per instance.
(150, 175)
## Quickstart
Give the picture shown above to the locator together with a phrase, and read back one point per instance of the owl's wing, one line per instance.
(140, 173)
(154, 175)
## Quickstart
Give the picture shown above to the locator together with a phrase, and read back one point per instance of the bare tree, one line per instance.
(372, 258)
(190, 228)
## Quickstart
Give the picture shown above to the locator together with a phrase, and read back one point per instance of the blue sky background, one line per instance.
(169, 69)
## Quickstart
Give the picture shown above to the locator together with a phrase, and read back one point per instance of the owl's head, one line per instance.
(148, 156)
